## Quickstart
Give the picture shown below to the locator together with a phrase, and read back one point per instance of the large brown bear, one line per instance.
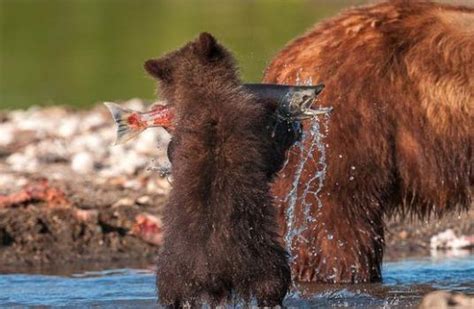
(221, 231)
(400, 76)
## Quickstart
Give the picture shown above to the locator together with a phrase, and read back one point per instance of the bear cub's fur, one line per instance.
(221, 234)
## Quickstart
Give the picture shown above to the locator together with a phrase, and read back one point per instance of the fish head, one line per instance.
(298, 102)
(294, 102)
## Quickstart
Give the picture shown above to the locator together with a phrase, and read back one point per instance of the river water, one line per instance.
(405, 282)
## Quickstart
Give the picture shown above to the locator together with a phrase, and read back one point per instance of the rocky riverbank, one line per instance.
(68, 197)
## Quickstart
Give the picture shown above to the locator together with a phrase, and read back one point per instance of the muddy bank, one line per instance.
(100, 225)
(36, 235)
(70, 199)
(100, 228)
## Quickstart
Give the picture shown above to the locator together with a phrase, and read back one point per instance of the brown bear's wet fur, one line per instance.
(400, 78)
(221, 231)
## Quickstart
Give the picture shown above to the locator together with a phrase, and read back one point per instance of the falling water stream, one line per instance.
(311, 149)
(314, 185)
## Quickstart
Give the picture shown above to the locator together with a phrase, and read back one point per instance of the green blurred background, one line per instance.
(80, 52)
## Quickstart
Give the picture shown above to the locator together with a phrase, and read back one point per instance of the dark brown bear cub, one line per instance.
(221, 235)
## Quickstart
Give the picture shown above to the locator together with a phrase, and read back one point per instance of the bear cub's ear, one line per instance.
(206, 46)
(158, 69)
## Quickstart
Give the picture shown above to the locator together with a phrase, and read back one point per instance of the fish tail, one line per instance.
(125, 131)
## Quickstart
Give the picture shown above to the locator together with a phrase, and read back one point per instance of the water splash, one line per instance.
(311, 150)
(163, 169)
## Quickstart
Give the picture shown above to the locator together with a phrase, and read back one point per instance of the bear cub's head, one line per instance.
(192, 67)
(201, 82)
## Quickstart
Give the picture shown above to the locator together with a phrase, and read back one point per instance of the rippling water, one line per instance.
(404, 284)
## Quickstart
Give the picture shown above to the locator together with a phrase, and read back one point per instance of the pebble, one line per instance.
(82, 163)
(22, 162)
(143, 200)
(7, 136)
(124, 202)
(69, 127)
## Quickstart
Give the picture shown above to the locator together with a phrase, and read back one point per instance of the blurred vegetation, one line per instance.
(80, 52)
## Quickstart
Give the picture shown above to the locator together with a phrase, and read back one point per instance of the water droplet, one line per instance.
(330, 236)
(353, 167)
(351, 178)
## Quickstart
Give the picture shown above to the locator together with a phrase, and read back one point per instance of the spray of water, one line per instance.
(311, 149)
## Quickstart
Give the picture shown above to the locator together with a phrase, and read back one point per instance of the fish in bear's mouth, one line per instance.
(294, 104)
